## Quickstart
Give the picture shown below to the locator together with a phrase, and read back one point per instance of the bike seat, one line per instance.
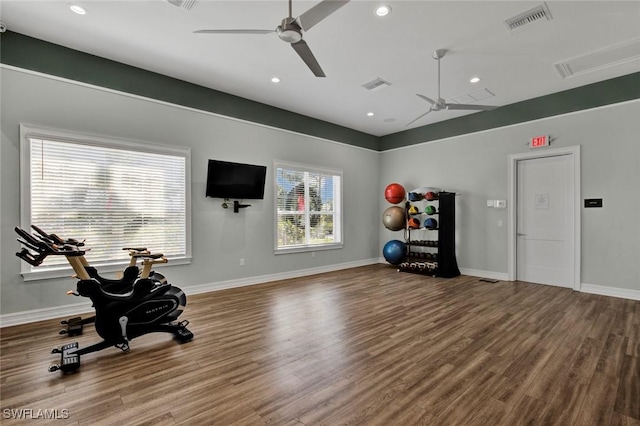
(121, 285)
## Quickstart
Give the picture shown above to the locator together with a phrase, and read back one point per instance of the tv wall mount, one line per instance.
(236, 205)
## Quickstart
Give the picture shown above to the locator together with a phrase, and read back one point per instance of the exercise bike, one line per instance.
(146, 308)
(75, 325)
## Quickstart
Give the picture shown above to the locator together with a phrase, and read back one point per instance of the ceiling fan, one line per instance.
(440, 104)
(291, 30)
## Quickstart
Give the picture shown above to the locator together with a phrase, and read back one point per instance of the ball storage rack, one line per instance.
(431, 251)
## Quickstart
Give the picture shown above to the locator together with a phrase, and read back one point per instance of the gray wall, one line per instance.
(220, 237)
(475, 165)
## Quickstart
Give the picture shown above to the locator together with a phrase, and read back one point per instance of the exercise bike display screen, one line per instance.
(235, 180)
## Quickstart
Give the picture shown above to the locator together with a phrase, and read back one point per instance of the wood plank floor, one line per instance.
(363, 346)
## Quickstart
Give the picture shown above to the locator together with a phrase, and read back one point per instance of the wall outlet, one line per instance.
(490, 203)
(242, 261)
(501, 204)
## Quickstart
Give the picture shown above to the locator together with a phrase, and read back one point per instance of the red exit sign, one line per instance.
(538, 141)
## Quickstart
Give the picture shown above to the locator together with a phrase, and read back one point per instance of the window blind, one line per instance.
(112, 197)
(309, 207)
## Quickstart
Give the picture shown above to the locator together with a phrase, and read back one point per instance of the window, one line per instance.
(111, 193)
(308, 208)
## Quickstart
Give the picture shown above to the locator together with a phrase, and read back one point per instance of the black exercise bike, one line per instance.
(149, 306)
(124, 284)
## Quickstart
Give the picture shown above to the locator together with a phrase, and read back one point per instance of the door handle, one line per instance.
(520, 235)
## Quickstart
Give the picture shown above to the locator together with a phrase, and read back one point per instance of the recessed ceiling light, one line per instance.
(370, 114)
(78, 9)
(275, 80)
(474, 79)
(383, 10)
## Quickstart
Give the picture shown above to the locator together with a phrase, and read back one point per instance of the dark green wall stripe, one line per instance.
(29, 53)
(590, 96)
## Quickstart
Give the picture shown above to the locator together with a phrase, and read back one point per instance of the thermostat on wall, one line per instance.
(592, 202)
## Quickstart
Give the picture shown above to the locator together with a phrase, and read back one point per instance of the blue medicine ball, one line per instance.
(394, 252)
(431, 223)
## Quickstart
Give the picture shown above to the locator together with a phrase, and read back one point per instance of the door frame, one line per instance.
(574, 153)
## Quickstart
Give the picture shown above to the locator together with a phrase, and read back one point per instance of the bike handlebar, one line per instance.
(41, 244)
(57, 240)
(44, 245)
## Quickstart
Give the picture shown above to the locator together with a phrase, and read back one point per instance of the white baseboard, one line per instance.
(76, 309)
(24, 317)
(610, 291)
(500, 276)
(242, 282)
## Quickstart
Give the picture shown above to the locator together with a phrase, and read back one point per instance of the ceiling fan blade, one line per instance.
(234, 31)
(318, 12)
(302, 49)
(431, 101)
(413, 121)
(470, 107)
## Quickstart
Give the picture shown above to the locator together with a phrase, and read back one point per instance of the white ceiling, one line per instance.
(353, 46)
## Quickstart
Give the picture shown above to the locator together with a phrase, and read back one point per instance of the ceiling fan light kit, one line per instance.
(289, 31)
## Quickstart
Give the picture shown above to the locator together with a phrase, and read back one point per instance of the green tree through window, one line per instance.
(308, 207)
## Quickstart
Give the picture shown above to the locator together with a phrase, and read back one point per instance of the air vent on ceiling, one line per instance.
(472, 97)
(376, 84)
(536, 15)
(183, 4)
(600, 59)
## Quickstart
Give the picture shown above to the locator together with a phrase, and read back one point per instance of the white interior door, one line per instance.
(545, 221)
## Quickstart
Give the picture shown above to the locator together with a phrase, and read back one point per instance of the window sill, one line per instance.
(302, 249)
(104, 268)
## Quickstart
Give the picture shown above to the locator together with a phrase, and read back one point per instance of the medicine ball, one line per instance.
(431, 196)
(414, 210)
(413, 223)
(430, 210)
(415, 196)
(431, 223)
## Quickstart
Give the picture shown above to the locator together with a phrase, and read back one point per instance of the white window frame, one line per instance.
(28, 131)
(338, 207)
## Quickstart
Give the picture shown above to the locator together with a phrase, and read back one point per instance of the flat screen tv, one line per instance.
(235, 180)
